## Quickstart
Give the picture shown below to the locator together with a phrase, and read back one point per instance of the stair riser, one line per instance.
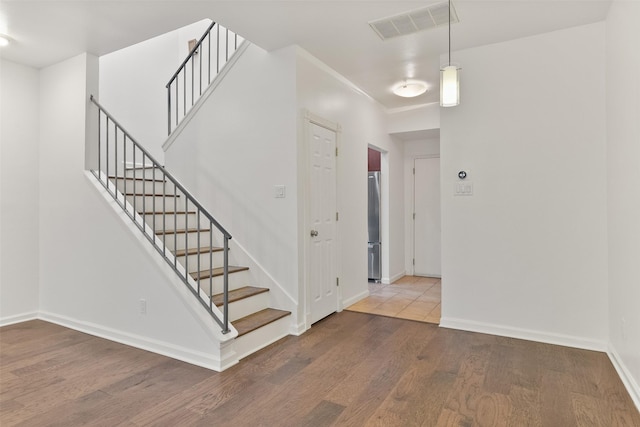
(185, 240)
(260, 338)
(146, 173)
(247, 306)
(145, 204)
(236, 281)
(205, 261)
(139, 186)
(169, 221)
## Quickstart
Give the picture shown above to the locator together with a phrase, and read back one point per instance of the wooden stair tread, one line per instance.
(167, 213)
(152, 194)
(238, 294)
(256, 320)
(195, 251)
(181, 231)
(131, 178)
(215, 272)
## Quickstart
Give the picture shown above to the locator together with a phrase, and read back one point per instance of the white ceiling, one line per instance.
(336, 32)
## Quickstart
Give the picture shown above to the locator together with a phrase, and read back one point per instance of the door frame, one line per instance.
(413, 206)
(304, 198)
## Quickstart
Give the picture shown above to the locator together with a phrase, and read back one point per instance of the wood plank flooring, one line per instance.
(350, 369)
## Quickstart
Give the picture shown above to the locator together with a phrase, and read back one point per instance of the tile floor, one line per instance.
(411, 297)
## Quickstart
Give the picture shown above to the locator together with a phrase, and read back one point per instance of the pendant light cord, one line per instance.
(449, 32)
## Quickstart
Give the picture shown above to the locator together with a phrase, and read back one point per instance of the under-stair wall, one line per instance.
(236, 148)
(94, 269)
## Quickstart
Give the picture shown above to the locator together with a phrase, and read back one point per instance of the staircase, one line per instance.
(188, 238)
(184, 233)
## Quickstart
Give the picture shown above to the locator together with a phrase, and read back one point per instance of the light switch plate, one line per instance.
(463, 188)
(279, 191)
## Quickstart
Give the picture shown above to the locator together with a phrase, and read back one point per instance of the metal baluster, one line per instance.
(124, 168)
(144, 190)
(198, 250)
(106, 175)
(134, 175)
(116, 162)
(217, 49)
(235, 43)
(169, 108)
(225, 291)
(184, 93)
(99, 139)
(193, 72)
(210, 265)
(153, 186)
(164, 214)
(175, 229)
(186, 235)
(200, 65)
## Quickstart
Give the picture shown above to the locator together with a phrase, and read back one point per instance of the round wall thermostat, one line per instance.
(462, 174)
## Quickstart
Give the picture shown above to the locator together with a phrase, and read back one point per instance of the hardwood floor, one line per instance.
(350, 369)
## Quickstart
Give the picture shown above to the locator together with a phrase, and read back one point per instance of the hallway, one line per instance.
(411, 298)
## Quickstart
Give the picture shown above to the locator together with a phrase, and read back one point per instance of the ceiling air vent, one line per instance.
(416, 20)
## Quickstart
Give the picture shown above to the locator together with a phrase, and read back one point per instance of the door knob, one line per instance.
(314, 233)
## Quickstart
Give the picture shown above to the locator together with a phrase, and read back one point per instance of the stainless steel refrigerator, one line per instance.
(375, 262)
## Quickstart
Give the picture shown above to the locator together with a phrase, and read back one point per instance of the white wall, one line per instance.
(363, 123)
(133, 80)
(420, 118)
(623, 176)
(526, 254)
(238, 146)
(93, 268)
(412, 151)
(19, 190)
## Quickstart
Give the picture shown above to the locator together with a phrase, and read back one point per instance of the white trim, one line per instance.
(354, 299)
(525, 334)
(395, 277)
(623, 372)
(212, 87)
(18, 318)
(204, 360)
(298, 329)
(333, 73)
(409, 108)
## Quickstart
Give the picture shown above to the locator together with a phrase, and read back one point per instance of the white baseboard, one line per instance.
(525, 334)
(18, 318)
(349, 301)
(297, 329)
(627, 379)
(205, 360)
(391, 279)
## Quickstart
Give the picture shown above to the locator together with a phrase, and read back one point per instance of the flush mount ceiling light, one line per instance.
(4, 40)
(410, 88)
(449, 78)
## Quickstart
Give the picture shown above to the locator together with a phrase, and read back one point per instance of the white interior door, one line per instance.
(322, 222)
(426, 236)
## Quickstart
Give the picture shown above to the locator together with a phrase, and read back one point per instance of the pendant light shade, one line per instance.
(449, 86)
(449, 78)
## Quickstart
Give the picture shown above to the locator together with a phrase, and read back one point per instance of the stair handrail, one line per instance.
(198, 48)
(201, 210)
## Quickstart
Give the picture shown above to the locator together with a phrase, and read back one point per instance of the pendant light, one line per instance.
(449, 78)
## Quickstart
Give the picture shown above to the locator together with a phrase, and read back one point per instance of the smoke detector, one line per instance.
(425, 18)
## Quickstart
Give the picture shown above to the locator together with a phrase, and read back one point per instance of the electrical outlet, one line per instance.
(143, 306)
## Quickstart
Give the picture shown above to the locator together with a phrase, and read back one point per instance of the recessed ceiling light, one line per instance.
(4, 40)
(410, 88)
